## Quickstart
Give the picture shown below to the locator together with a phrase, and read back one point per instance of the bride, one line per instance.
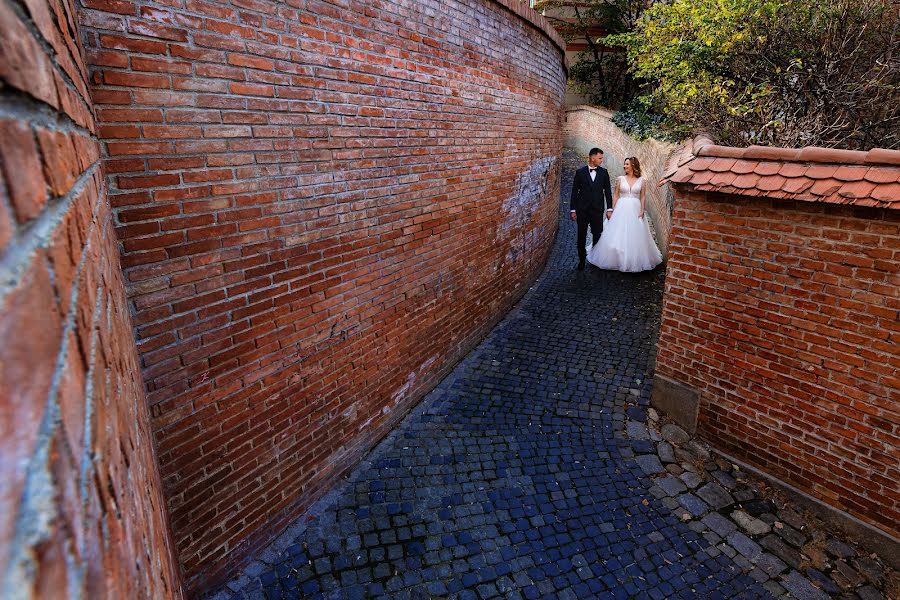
(626, 243)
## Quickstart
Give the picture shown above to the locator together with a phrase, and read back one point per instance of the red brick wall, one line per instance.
(81, 507)
(321, 207)
(587, 127)
(784, 316)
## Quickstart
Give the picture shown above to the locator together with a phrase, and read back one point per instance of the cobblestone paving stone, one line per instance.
(514, 478)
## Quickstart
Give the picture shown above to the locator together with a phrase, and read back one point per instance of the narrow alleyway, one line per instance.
(513, 477)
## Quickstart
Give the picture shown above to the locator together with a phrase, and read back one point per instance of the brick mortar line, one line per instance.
(358, 332)
(359, 327)
(87, 453)
(269, 238)
(391, 73)
(186, 401)
(392, 277)
(472, 189)
(497, 114)
(429, 404)
(36, 509)
(266, 153)
(428, 51)
(424, 56)
(25, 18)
(500, 114)
(829, 336)
(835, 413)
(20, 106)
(36, 234)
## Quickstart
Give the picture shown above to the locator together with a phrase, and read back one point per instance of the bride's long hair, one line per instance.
(635, 165)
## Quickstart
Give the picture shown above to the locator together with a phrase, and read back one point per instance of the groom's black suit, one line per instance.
(590, 199)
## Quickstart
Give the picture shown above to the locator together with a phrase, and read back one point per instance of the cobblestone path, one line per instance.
(513, 479)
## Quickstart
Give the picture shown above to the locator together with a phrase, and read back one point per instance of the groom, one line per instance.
(591, 196)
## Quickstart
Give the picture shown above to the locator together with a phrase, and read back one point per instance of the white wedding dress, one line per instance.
(626, 243)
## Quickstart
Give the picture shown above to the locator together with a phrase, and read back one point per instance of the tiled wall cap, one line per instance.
(721, 151)
(880, 156)
(771, 153)
(703, 145)
(832, 155)
(700, 142)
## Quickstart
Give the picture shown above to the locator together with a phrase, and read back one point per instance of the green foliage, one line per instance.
(640, 122)
(803, 72)
(600, 73)
(603, 79)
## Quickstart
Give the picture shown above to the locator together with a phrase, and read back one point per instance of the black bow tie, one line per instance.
(592, 170)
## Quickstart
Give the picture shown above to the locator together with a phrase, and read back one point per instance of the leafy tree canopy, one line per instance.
(600, 73)
(773, 72)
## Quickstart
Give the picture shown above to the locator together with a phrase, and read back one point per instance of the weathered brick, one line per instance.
(786, 360)
(24, 65)
(294, 167)
(22, 170)
(68, 349)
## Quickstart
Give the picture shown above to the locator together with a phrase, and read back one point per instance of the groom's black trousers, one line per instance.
(585, 218)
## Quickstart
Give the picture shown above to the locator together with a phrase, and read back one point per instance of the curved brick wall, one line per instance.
(321, 207)
(82, 513)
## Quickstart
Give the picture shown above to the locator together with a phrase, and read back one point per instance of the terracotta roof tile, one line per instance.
(809, 174)
(699, 142)
(789, 169)
(702, 178)
(771, 183)
(857, 189)
(722, 179)
(850, 173)
(720, 165)
(721, 151)
(832, 155)
(797, 185)
(681, 159)
(767, 168)
(877, 175)
(680, 156)
(807, 197)
(745, 181)
(889, 192)
(682, 175)
(743, 166)
(770, 153)
(826, 187)
(702, 145)
(880, 156)
(700, 164)
(821, 171)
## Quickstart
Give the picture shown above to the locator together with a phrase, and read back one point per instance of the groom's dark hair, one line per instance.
(595, 151)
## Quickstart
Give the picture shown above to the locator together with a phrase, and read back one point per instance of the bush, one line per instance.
(639, 122)
(773, 72)
(603, 78)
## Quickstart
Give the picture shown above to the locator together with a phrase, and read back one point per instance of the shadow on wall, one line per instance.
(308, 243)
(82, 513)
(587, 127)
